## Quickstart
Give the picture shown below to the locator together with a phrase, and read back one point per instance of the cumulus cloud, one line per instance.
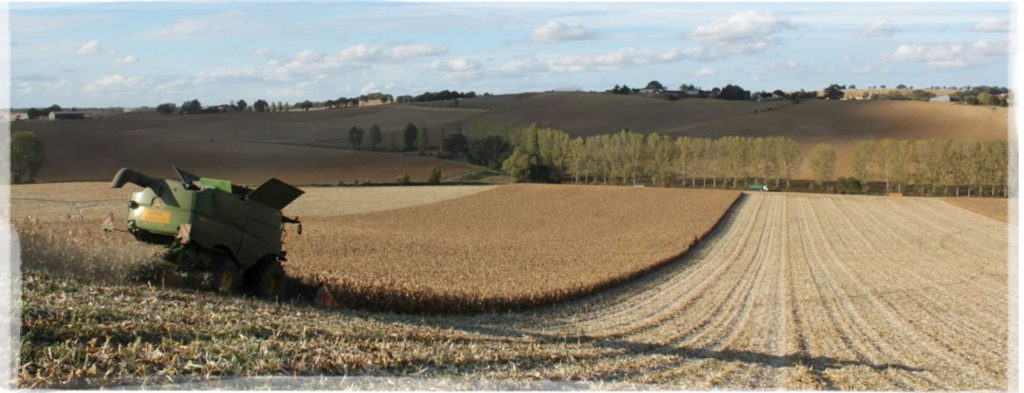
(617, 59)
(990, 25)
(412, 51)
(882, 28)
(370, 88)
(792, 64)
(950, 55)
(743, 26)
(704, 72)
(41, 86)
(212, 77)
(555, 31)
(127, 60)
(89, 47)
(311, 62)
(261, 52)
(197, 26)
(454, 65)
(114, 84)
(515, 66)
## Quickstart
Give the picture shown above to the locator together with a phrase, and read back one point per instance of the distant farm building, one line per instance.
(67, 115)
(942, 98)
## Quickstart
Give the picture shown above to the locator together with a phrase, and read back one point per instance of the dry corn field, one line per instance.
(997, 208)
(517, 246)
(790, 291)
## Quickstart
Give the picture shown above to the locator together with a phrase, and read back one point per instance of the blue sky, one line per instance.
(134, 54)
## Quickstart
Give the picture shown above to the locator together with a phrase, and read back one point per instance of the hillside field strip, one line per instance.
(511, 247)
(791, 291)
(93, 200)
(314, 148)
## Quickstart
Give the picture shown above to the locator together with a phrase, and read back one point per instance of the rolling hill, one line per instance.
(313, 147)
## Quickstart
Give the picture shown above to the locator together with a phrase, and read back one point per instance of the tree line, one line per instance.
(965, 167)
(549, 155)
(933, 166)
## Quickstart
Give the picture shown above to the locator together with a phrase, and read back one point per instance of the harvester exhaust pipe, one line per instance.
(126, 175)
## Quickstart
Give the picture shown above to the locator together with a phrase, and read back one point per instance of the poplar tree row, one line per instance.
(951, 166)
(968, 167)
(546, 154)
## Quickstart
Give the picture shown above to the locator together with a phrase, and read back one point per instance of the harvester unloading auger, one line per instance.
(211, 225)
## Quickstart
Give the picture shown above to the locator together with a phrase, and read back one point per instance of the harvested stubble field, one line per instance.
(791, 291)
(507, 248)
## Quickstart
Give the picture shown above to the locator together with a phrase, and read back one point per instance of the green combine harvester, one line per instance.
(210, 225)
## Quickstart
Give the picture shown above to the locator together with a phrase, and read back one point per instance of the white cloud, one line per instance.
(196, 26)
(212, 77)
(792, 64)
(704, 72)
(412, 51)
(454, 65)
(89, 47)
(996, 24)
(310, 62)
(261, 52)
(41, 86)
(744, 26)
(113, 84)
(617, 59)
(515, 66)
(555, 31)
(881, 28)
(950, 55)
(369, 88)
(127, 60)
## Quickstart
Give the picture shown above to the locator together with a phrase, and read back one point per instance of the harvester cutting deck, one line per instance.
(211, 225)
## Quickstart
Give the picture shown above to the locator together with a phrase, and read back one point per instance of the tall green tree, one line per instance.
(790, 160)
(578, 157)
(375, 137)
(27, 156)
(864, 159)
(409, 136)
(662, 153)
(421, 139)
(634, 153)
(823, 162)
(355, 137)
(440, 146)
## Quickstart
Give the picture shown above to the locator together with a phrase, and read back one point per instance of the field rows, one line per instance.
(818, 292)
(791, 291)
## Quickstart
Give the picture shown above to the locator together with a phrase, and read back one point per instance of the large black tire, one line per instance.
(225, 277)
(267, 279)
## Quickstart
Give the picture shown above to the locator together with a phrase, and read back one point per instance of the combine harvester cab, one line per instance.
(230, 231)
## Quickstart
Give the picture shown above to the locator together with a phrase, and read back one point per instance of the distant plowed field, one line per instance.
(312, 147)
(511, 247)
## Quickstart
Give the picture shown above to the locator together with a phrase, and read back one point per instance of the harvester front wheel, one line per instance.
(268, 278)
(225, 276)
